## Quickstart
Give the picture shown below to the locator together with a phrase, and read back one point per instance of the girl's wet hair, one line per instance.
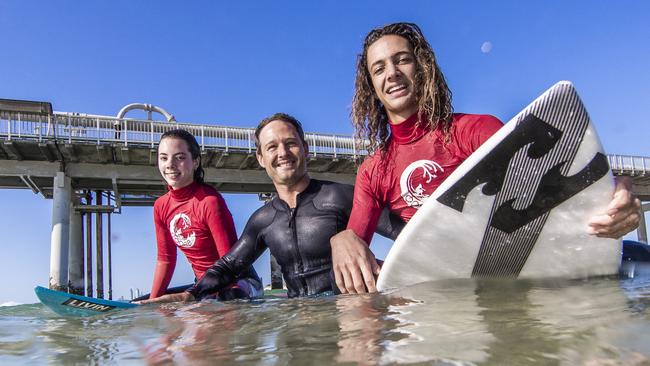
(192, 145)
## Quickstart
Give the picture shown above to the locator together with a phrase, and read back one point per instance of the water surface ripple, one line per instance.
(602, 321)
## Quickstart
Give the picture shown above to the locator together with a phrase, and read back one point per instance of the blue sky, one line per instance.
(233, 63)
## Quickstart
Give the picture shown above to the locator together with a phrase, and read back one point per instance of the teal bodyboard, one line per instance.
(67, 304)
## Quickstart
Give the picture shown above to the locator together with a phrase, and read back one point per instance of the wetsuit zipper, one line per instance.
(301, 267)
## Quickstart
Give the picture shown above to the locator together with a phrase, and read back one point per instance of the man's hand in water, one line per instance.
(622, 215)
(353, 263)
(181, 296)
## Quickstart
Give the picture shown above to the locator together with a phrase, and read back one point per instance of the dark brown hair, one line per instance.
(278, 117)
(433, 95)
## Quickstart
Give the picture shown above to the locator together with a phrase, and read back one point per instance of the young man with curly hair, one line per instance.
(402, 106)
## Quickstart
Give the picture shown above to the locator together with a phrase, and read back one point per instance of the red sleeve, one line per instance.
(366, 207)
(166, 257)
(221, 224)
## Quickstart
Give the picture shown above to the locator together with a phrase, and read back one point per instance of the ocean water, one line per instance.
(604, 321)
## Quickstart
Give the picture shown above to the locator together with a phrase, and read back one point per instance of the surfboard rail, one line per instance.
(67, 304)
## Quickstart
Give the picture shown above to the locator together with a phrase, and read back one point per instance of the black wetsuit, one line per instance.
(298, 238)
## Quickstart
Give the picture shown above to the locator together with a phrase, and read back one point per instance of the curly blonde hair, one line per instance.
(433, 95)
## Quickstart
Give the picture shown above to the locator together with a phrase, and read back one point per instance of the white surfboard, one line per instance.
(518, 206)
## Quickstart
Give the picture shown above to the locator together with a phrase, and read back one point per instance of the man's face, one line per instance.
(175, 162)
(282, 153)
(392, 67)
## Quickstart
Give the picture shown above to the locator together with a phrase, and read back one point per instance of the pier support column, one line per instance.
(60, 234)
(76, 257)
(642, 231)
(99, 247)
(110, 261)
(89, 248)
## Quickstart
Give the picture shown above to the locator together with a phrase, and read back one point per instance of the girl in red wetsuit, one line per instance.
(193, 217)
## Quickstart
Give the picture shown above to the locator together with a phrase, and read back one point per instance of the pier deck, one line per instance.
(108, 153)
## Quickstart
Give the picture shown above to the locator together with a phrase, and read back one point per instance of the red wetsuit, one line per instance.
(197, 221)
(416, 161)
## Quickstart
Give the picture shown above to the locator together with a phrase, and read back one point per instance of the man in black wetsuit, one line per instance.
(296, 225)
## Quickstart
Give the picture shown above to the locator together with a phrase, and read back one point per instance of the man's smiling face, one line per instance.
(282, 153)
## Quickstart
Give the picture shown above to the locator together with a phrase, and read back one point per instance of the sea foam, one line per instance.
(10, 303)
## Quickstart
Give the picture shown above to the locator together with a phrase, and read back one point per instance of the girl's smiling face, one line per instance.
(175, 162)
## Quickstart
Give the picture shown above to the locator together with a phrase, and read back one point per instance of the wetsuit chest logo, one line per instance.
(418, 181)
(179, 227)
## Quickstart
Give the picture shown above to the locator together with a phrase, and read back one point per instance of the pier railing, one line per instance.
(629, 165)
(74, 127)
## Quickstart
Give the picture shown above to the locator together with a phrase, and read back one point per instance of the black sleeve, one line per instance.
(389, 225)
(238, 259)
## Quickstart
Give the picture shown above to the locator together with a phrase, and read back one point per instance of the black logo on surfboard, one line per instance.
(81, 304)
(554, 187)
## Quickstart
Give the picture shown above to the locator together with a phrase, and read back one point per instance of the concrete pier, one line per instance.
(62, 192)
